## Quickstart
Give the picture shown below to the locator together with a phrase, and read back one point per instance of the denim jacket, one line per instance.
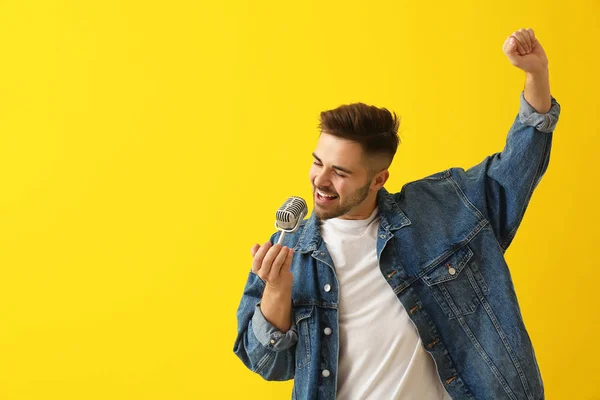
(441, 244)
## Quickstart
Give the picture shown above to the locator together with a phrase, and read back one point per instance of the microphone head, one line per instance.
(290, 214)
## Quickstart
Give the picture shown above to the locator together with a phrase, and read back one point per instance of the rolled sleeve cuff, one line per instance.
(542, 122)
(269, 336)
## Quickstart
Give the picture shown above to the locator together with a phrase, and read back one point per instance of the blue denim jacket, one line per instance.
(441, 244)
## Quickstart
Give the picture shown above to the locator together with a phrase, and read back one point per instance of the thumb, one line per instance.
(511, 45)
(511, 50)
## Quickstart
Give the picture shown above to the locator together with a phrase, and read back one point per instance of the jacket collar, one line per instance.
(392, 218)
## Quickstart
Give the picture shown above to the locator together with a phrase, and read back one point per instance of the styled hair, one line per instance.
(375, 129)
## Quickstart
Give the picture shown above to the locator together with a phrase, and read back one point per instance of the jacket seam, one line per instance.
(464, 198)
(263, 362)
(501, 334)
(486, 358)
(537, 176)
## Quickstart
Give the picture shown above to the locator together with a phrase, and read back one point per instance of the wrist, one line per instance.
(277, 293)
(539, 74)
(276, 307)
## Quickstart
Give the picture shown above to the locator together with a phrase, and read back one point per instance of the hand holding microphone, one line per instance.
(272, 264)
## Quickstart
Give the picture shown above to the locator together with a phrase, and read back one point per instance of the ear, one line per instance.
(380, 179)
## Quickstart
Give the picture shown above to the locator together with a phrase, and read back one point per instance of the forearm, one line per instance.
(277, 308)
(537, 91)
(259, 345)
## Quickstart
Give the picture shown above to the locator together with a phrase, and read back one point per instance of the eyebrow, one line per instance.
(347, 171)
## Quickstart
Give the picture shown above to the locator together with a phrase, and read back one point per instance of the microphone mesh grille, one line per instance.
(291, 212)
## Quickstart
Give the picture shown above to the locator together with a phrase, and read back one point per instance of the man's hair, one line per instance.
(375, 129)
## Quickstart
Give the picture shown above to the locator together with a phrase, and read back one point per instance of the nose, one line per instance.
(321, 179)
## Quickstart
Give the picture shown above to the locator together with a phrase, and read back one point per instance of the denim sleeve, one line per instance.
(501, 186)
(269, 335)
(262, 347)
(542, 122)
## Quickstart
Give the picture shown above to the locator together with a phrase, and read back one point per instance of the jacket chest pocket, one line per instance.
(456, 283)
(302, 316)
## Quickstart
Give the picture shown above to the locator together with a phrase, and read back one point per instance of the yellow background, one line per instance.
(145, 146)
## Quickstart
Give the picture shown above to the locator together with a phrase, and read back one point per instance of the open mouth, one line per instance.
(324, 197)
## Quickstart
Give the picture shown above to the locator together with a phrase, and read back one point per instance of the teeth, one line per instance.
(324, 195)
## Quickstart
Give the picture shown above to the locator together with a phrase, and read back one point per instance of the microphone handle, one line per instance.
(281, 237)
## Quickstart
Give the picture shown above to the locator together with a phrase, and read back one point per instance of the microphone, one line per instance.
(289, 216)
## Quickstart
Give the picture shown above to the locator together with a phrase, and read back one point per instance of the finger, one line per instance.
(258, 257)
(524, 39)
(509, 45)
(287, 265)
(532, 37)
(520, 49)
(521, 43)
(528, 39)
(278, 263)
(267, 262)
(510, 49)
(254, 249)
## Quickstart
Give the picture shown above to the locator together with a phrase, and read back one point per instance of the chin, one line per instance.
(323, 215)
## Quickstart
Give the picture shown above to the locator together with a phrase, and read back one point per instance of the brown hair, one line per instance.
(375, 129)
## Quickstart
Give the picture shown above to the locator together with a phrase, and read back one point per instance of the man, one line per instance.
(404, 295)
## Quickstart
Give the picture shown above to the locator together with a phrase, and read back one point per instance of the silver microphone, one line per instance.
(289, 216)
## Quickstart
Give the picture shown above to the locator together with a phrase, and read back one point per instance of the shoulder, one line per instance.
(424, 183)
(426, 191)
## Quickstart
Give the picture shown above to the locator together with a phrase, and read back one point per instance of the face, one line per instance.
(342, 184)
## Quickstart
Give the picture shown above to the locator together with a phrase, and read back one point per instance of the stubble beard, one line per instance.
(355, 200)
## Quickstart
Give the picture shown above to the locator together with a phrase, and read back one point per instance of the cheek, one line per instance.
(312, 173)
(345, 188)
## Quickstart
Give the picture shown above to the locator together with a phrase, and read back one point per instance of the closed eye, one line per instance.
(335, 171)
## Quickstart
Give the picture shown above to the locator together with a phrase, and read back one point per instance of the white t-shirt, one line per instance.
(381, 354)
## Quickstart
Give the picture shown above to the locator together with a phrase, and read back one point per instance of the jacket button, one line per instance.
(451, 271)
(325, 373)
(327, 331)
(327, 287)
